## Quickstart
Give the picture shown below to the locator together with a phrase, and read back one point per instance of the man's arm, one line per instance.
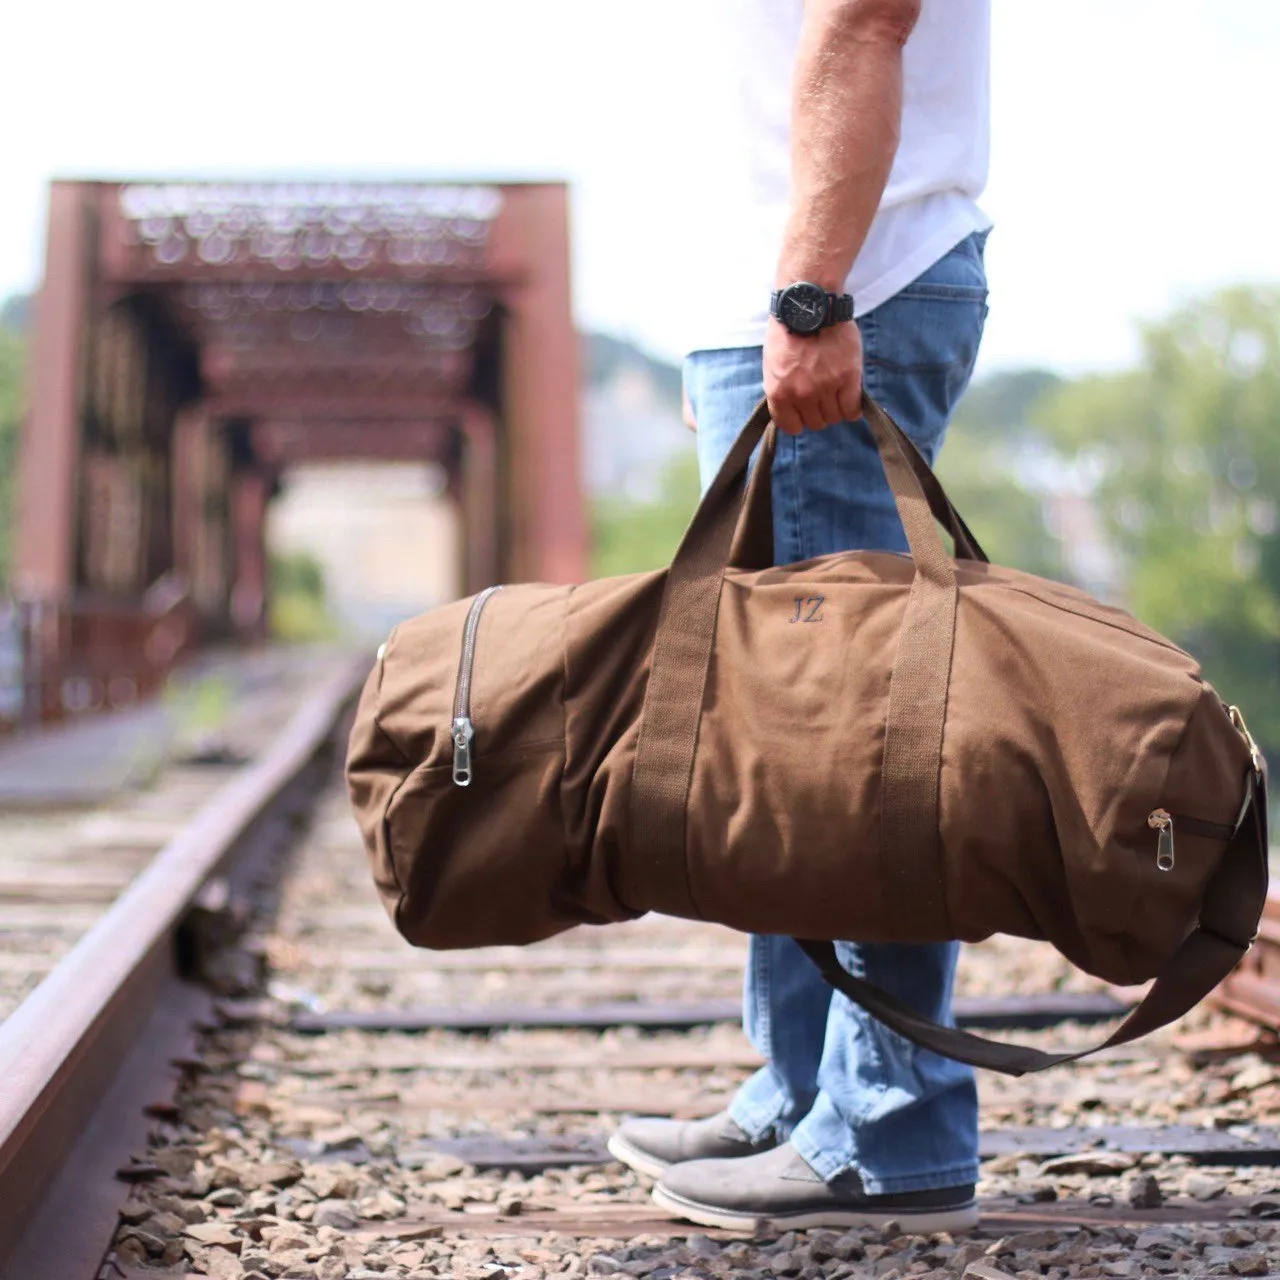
(845, 122)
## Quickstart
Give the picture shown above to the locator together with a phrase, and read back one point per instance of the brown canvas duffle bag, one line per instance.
(867, 745)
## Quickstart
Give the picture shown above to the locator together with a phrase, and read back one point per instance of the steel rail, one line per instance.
(63, 1047)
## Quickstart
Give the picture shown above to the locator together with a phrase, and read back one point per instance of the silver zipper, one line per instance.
(462, 731)
(1162, 821)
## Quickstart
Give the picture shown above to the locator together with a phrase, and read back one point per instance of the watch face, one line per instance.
(803, 307)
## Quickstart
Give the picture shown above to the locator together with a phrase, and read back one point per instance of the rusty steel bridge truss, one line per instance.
(193, 339)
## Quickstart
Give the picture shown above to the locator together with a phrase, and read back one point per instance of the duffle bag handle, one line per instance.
(726, 531)
(741, 530)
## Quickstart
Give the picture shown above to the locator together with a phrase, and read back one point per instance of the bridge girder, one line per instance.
(192, 338)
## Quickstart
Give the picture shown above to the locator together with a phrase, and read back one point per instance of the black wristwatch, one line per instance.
(806, 308)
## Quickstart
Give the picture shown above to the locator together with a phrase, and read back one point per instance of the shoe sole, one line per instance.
(636, 1158)
(962, 1217)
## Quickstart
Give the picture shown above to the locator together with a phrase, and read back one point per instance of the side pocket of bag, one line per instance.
(1201, 798)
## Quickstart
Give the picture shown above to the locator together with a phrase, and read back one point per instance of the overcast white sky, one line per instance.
(1134, 152)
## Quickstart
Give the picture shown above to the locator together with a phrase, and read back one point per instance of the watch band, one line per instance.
(839, 307)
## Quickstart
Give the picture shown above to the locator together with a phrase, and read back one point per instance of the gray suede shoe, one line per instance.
(652, 1146)
(779, 1186)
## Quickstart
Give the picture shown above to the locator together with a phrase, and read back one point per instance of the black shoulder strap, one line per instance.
(1229, 917)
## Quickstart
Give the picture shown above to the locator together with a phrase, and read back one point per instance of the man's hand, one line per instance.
(813, 381)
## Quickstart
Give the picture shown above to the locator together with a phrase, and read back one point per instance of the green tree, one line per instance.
(1005, 513)
(298, 609)
(1001, 406)
(1186, 454)
(984, 465)
(631, 536)
(13, 354)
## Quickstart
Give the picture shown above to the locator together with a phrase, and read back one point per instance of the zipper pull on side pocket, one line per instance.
(1161, 820)
(463, 731)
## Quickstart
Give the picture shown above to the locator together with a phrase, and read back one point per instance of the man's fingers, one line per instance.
(785, 416)
(849, 398)
(829, 408)
(810, 412)
(813, 412)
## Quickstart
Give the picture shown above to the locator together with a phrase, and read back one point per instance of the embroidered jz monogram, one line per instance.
(808, 609)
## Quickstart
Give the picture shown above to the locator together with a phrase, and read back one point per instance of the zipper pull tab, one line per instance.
(463, 732)
(1162, 821)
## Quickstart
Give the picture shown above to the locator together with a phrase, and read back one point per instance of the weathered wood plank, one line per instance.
(985, 1012)
(640, 1057)
(1206, 1146)
(517, 960)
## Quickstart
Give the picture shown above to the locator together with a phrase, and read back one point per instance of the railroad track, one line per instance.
(76, 822)
(241, 1071)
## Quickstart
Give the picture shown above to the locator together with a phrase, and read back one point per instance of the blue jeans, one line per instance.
(849, 1093)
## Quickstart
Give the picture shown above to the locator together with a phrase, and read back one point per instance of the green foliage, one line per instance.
(13, 356)
(297, 574)
(980, 466)
(1186, 453)
(297, 610)
(201, 705)
(16, 312)
(1002, 405)
(1006, 516)
(631, 537)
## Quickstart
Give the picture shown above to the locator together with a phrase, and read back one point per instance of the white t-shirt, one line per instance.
(930, 202)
